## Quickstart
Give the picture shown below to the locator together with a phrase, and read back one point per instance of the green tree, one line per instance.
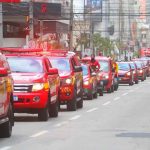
(103, 44)
(83, 40)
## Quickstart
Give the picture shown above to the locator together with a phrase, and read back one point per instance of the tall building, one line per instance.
(148, 11)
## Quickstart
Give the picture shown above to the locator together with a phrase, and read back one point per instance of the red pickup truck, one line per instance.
(6, 99)
(70, 71)
(36, 83)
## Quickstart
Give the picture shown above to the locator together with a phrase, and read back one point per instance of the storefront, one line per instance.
(17, 21)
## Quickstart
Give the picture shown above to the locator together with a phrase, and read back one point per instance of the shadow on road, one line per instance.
(26, 119)
(134, 135)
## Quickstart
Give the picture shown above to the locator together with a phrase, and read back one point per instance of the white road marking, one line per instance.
(60, 124)
(75, 117)
(131, 91)
(107, 103)
(117, 98)
(5, 148)
(39, 134)
(125, 94)
(91, 110)
(137, 88)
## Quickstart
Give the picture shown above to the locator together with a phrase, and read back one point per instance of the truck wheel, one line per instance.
(90, 96)
(6, 128)
(109, 90)
(131, 83)
(53, 112)
(95, 95)
(112, 88)
(80, 104)
(101, 93)
(72, 104)
(116, 87)
(43, 114)
(137, 81)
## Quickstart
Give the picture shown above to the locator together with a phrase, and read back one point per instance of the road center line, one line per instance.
(117, 98)
(91, 110)
(5, 148)
(39, 134)
(107, 103)
(75, 117)
(125, 94)
(60, 124)
(131, 91)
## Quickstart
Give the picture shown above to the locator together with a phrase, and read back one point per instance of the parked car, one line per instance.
(146, 62)
(125, 73)
(141, 71)
(6, 99)
(36, 83)
(89, 82)
(135, 72)
(70, 71)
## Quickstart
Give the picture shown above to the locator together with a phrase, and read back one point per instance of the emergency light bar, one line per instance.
(19, 50)
(10, 1)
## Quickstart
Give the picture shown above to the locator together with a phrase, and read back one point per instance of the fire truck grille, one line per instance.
(22, 88)
(121, 75)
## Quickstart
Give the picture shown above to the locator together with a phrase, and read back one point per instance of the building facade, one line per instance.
(28, 22)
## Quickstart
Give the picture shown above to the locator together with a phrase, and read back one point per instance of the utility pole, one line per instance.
(129, 28)
(71, 26)
(31, 28)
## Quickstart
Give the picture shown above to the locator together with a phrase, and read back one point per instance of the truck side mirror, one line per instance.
(52, 71)
(77, 68)
(3, 72)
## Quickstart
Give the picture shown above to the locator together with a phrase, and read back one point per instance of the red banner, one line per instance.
(10, 1)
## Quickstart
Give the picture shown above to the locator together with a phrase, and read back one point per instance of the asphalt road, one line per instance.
(118, 121)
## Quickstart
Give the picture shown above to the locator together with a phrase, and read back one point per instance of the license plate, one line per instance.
(15, 98)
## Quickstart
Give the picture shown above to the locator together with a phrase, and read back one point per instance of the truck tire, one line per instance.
(112, 88)
(72, 104)
(131, 83)
(6, 128)
(109, 90)
(53, 111)
(80, 103)
(137, 81)
(116, 87)
(95, 95)
(90, 96)
(43, 114)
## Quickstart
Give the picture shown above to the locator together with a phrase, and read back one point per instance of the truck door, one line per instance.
(3, 95)
(52, 82)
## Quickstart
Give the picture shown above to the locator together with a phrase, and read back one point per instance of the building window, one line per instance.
(13, 30)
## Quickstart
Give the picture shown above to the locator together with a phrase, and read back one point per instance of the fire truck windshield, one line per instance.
(85, 70)
(25, 65)
(62, 64)
(104, 65)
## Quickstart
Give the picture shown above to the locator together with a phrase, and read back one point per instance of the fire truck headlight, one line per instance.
(37, 87)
